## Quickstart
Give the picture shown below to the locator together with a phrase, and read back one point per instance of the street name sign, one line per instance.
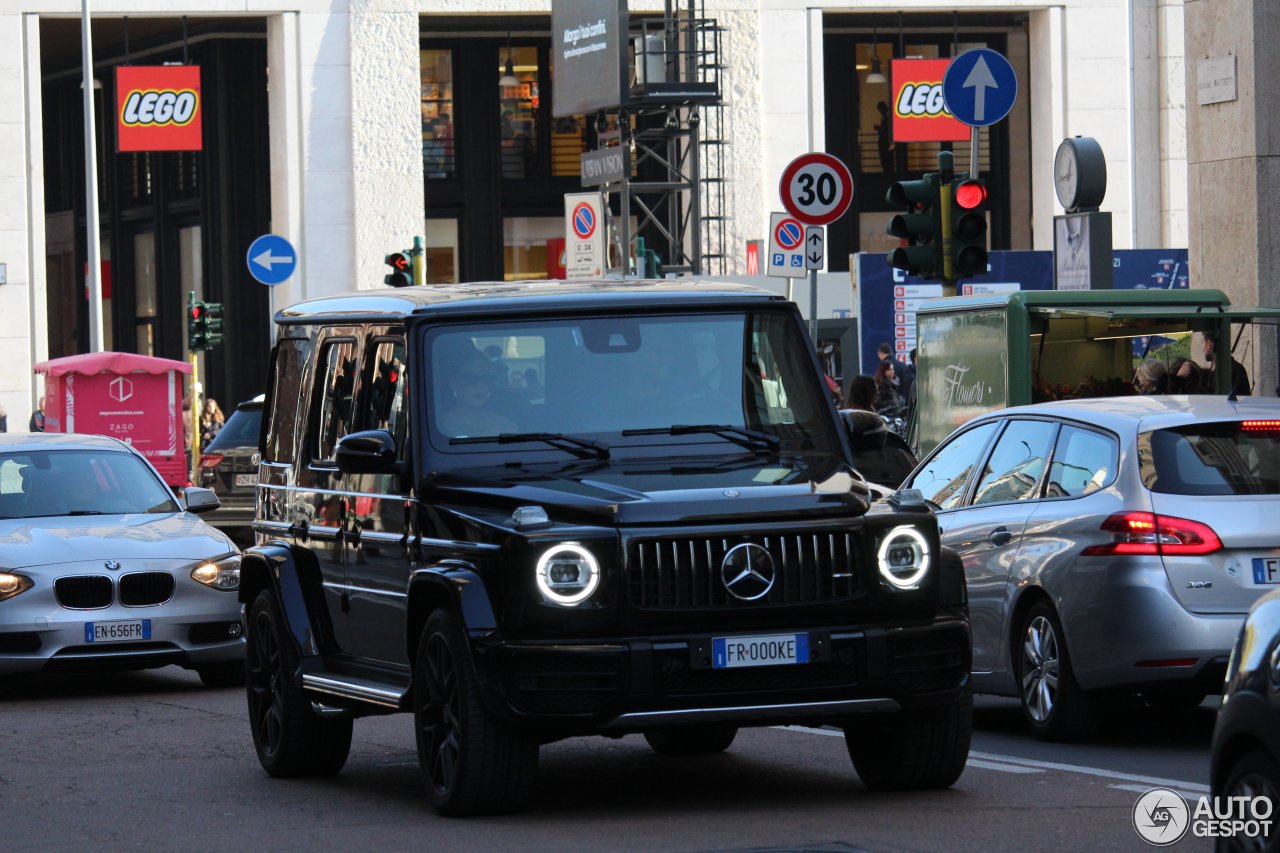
(980, 87)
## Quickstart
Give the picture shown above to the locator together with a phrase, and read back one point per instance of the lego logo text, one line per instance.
(921, 99)
(153, 108)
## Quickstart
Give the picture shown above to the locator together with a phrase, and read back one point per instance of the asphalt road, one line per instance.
(155, 761)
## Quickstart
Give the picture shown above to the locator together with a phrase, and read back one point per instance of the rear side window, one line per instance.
(286, 388)
(1083, 462)
(1225, 458)
(1016, 465)
(241, 430)
(943, 477)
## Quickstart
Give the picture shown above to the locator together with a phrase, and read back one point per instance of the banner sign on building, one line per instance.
(158, 108)
(588, 60)
(919, 111)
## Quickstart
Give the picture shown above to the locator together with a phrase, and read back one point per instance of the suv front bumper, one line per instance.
(636, 683)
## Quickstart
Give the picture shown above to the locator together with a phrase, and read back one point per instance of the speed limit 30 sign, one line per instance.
(816, 188)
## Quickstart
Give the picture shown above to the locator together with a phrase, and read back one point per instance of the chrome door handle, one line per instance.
(1000, 537)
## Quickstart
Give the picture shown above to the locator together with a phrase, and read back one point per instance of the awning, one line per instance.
(110, 362)
(1235, 313)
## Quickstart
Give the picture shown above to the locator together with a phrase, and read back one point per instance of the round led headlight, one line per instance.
(567, 574)
(904, 557)
(223, 574)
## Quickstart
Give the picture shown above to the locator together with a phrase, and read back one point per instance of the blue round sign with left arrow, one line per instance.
(980, 87)
(271, 259)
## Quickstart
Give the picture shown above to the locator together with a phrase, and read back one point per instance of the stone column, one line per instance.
(1234, 167)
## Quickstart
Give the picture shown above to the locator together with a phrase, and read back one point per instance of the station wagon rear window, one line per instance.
(1222, 458)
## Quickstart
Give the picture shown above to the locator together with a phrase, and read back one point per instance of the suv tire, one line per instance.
(914, 749)
(471, 763)
(226, 674)
(288, 736)
(1062, 711)
(700, 739)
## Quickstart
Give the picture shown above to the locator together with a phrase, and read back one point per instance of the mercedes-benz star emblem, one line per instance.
(112, 565)
(747, 571)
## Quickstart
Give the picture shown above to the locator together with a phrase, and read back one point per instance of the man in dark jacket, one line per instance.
(1239, 376)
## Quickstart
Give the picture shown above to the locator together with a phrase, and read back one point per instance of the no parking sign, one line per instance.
(584, 235)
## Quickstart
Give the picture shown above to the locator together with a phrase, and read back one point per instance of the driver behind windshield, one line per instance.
(468, 412)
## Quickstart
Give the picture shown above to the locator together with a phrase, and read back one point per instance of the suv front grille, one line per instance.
(142, 588)
(83, 592)
(684, 574)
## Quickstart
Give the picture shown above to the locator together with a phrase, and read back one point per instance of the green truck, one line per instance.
(980, 353)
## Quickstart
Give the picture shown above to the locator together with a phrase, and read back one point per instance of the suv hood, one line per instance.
(653, 491)
(26, 542)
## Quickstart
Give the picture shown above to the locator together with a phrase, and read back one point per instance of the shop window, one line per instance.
(518, 105)
(529, 243)
(442, 251)
(438, 156)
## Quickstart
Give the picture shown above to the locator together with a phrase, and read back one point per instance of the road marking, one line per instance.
(1003, 768)
(1151, 781)
(1193, 796)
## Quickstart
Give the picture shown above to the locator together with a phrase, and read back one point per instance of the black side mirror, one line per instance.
(198, 500)
(370, 452)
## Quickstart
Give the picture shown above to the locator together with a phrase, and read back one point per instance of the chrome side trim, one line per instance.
(364, 691)
(752, 712)
(425, 542)
(313, 491)
(369, 590)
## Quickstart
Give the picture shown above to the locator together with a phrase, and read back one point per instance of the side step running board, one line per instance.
(359, 689)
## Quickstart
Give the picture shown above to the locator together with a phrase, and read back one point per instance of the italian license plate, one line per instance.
(117, 632)
(1266, 570)
(768, 650)
(246, 479)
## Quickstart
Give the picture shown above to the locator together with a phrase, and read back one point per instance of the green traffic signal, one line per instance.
(920, 227)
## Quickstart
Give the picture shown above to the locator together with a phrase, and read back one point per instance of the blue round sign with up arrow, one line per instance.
(979, 87)
(271, 259)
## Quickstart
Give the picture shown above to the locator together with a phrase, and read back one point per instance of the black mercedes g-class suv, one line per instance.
(526, 511)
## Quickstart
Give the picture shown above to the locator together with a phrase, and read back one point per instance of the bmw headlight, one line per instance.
(567, 574)
(904, 557)
(11, 585)
(220, 574)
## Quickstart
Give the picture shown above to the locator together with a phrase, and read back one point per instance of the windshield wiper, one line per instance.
(582, 447)
(746, 437)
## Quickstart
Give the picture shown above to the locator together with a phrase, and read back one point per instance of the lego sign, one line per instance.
(919, 110)
(158, 108)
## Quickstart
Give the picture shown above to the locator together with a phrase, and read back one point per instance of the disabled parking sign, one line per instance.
(786, 246)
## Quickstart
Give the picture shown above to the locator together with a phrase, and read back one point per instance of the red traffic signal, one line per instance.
(971, 194)
(402, 270)
(198, 311)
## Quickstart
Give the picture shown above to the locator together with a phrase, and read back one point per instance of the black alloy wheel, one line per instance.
(1254, 774)
(472, 763)
(287, 735)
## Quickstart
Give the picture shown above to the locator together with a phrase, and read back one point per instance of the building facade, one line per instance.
(350, 127)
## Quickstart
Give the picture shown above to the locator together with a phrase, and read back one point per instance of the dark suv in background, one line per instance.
(229, 466)
(526, 511)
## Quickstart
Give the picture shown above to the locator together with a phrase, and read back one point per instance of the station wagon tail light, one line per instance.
(1148, 533)
(223, 574)
(11, 585)
(904, 558)
(567, 574)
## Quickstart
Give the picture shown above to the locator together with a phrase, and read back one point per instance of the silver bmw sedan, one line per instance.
(102, 567)
(1111, 546)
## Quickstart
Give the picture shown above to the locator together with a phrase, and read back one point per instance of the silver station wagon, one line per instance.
(101, 567)
(1111, 545)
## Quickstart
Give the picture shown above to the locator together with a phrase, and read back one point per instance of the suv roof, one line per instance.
(485, 297)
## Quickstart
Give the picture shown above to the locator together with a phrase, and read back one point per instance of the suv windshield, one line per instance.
(78, 482)
(718, 379)
(240, 430)
(1227, 458)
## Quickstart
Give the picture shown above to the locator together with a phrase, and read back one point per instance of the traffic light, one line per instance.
(197, 324)
(920, 226)
(212, 324)
(969, 228)
(401, 274)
